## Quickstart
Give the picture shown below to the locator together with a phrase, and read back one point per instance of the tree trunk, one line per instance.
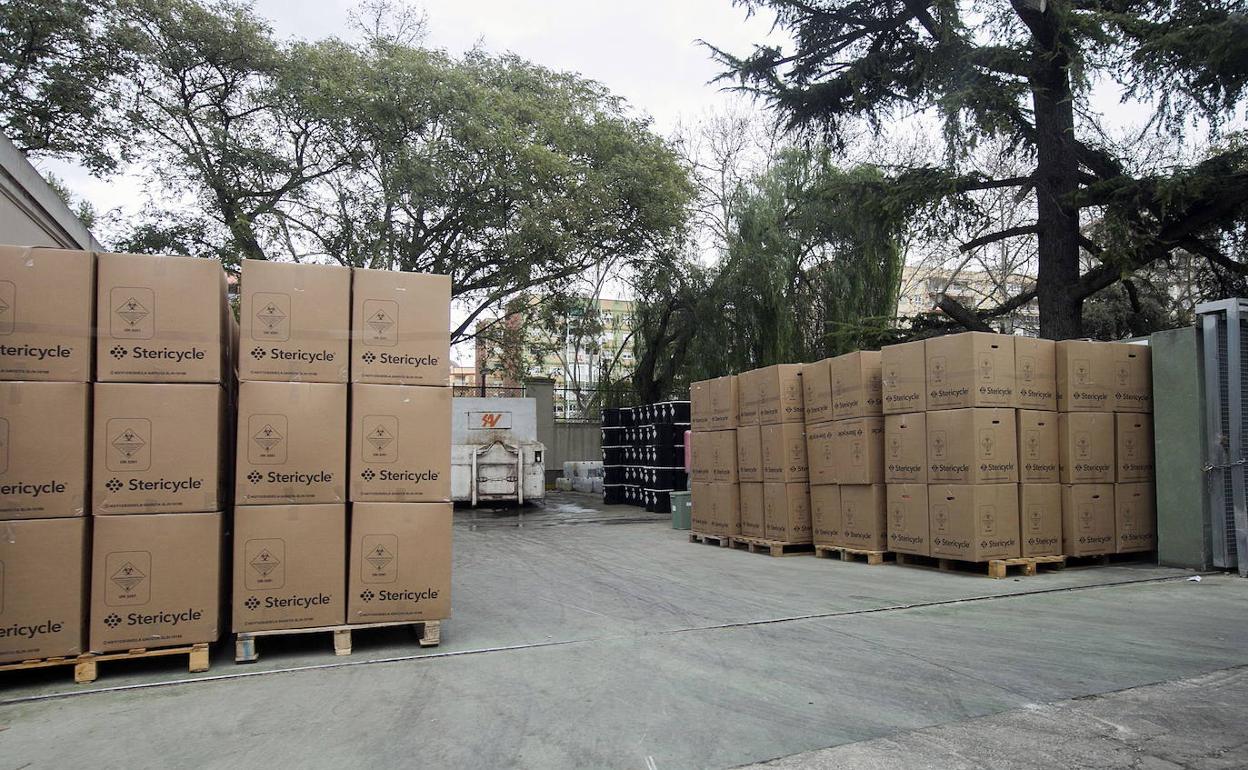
(1057, 174)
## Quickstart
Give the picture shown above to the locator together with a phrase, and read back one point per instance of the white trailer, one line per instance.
(495, 454)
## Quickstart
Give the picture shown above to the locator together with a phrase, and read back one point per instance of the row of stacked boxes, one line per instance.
(935, 448)
(643, 454)
(144, 455)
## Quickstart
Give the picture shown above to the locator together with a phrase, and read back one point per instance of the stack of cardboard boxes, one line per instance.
(400, 448)
(46, 313)
(159, 469)
(713, 479)
(290, 519)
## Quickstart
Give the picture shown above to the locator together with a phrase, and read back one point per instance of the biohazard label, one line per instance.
(266, 564)
(8, 302)
(133, 312)
(381, 317)
(129, 576)
(381, 435)
(379, 554)
(271, 316)
(268, 433)
(129, 444)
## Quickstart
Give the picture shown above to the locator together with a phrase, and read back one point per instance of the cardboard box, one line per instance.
(47, 301)
(972, 369)
(43, 588)
(160, 319)
(787, 512)
(749, 454)
(1085, 372)
(1135, 518)
(1040, 506)
(158, 448)
(294, 322)
(784, 452)
(859, 450)
(753, 516)
(974, 522)
(156, 580)
(780, 394)
(1038, 438)
(716, 509)
(856, 385)
(45, 443)
(700, 456)
(1035, 372)
(400, 328)
(1087, 519)
(700, 405)
(722, 397)
(1134, 447)
(292, 443)
(723, 451)
(401, 444)
(825, 514)
(749, 396)
(821, 444)
(1086, 448)
(400, 562)
(289, 566)
(908, 528)
(1133, 377)
(905, 448)
(864, 517)
(817, 391)
(903, 377)
(972, 446)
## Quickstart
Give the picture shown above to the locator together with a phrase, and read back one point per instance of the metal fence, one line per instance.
(487, 391)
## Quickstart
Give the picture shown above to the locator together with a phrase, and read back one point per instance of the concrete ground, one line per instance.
(587, 636)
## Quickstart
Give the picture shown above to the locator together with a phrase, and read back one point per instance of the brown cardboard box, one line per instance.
(972, 446)
(859, 450)
(908, 529)
(700, 405)
(724, 399)
(700, 456)
(47, 298)
(400, 562)
(1133, 378)
(290, 568)
(158, 448)
(974, 522)
(1038, 438)
(864, 517)
(856, 386)
(817, 391)
(825, 514)
(1040, 506)
(401, 444)
(1085, 372)
(45, 440)
(156, 580)
(1135, 518)
(903, 377)
(723, 449)
(1087, 519)
(1086, 448)
(292, 443)
(1134, 440)
(749, 396)
(787, 512)
(749, 454)
(753, 518)
(43, 588)
(905, 448)
(160, 319)
(972, 369)
(1035, 371)
(716, 509)
(821, 453)
(784, 452)
(400, 326)
(780, 394)
(294, 322)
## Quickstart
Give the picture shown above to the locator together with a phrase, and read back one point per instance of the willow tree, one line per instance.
(1024, 70)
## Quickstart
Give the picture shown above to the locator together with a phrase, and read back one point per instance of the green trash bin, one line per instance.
(681, 508)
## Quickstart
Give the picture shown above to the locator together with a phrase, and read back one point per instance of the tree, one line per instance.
(1023, 71)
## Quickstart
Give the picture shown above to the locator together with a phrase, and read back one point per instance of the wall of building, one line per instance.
(572, 442)
(31, 213)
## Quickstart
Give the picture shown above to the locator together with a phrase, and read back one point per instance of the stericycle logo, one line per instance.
(22, 631)
(32, 489)
(36, 352)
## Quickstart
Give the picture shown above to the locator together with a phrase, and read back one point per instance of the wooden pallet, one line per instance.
(1106, 559)
(773, 547)
(723, 541)
(993, 568)
(429, 634)
(853, 554)
(85, 664)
